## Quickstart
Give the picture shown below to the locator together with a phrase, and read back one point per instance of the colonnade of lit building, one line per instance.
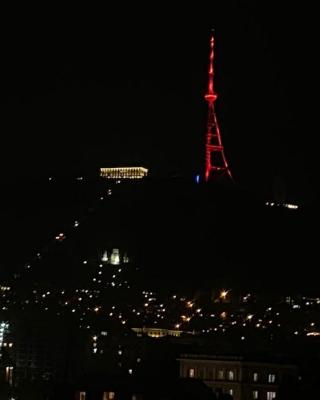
(123, 173)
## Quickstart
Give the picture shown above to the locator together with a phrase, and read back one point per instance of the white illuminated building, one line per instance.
(115, 257)
(124, 173)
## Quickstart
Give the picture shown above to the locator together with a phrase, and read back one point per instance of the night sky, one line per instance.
(89, 87)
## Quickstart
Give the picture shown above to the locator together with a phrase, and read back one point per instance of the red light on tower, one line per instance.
(216, 163)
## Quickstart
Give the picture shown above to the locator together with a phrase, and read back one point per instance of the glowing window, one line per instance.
(271, 378)
(82, 396)
(230, 375)
(255, 377)
(271, 395)
(255, 394)
(220, 374)
(109, 395)
(191, 373)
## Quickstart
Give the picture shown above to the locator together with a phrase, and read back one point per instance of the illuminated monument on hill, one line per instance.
(124, 173)
(216, 163)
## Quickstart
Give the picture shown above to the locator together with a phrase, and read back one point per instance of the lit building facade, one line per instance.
(124, 173)
(156, 332)
(243, 379)
(4, 327)
(115, 257)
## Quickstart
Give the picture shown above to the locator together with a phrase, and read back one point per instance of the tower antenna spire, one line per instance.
(216, 163)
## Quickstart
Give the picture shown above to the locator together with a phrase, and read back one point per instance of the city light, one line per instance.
(223, 294)
(283, 205)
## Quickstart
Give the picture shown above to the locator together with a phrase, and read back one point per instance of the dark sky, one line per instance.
(87, 87)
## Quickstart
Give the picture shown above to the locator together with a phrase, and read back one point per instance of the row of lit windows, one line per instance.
(271, 377)
(221, 375)
(7, 344)
(105, 396)
(255, 394)
(270, 395)
(231, 375)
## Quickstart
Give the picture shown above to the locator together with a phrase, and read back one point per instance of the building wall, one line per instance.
(239, 378)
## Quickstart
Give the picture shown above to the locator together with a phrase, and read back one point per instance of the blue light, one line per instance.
(197, 178)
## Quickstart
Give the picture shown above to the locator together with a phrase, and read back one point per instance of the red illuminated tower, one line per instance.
(216, 163)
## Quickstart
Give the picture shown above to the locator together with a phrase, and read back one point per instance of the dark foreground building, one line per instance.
(143, 389)
(243, 379)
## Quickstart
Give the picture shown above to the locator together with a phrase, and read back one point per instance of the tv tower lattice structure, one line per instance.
(216, 163)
